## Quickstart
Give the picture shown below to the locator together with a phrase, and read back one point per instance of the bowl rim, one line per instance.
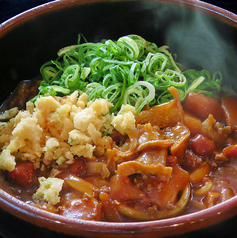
(53, 5)
(43, 218)
(71, 226)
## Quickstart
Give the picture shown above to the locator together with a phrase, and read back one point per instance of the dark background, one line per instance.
(9, 8)
(11, 227)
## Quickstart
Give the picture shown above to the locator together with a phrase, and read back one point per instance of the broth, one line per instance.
(222, 174)
(85, 155)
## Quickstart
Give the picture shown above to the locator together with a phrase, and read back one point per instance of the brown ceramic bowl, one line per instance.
(202, 35)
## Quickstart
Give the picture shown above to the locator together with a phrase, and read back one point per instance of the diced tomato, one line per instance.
(79, 167)
(82, 208)
(230, 151)
(201, 145)
(171, 161)
(23, 174)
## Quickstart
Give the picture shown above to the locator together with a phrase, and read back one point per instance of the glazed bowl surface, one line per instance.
(202, 35)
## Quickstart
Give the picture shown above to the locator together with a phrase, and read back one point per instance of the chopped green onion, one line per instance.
(130, 70)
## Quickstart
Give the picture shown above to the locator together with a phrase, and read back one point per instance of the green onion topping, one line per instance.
(130, 70)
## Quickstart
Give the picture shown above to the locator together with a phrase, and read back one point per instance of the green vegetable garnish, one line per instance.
(130, 70)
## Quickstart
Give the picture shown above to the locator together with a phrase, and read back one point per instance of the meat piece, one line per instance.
(215, 131)
(191, 160)
(118, 138)
(221, 158)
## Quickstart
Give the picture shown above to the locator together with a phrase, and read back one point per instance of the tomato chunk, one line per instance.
(230, 151)
(201, 145)
(79, 167)
(202, 106)
(82, 208)
(171, 161)
(23, 174)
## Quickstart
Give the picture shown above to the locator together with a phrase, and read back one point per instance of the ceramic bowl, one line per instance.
(202, 35)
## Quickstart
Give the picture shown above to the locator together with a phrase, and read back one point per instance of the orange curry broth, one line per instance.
(179, 159)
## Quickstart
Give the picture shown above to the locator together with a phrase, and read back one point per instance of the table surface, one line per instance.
(12, 227)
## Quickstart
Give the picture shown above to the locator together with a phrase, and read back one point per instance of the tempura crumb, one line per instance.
(7, 161)
(78, 137)
(49, 190)
(9, 113)
(55, 129)
(125, 120)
